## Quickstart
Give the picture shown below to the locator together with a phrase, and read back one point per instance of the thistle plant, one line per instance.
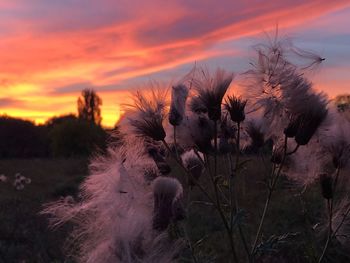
(136, 205)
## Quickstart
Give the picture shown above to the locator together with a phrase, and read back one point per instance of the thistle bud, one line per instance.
(326, 186)
(291, 130)
(235, 107)
(167, 195)
(148, 116)
(193, 165)
(211, 91)
(178, 102)
(308, 126)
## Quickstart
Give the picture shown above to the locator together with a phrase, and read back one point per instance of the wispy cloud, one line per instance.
(60, 47)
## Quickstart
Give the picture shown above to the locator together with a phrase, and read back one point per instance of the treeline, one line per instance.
(64, 136)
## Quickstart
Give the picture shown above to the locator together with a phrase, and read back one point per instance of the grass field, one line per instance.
(25, 236)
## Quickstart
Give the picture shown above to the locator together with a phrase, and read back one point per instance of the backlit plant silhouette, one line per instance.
(195, 149)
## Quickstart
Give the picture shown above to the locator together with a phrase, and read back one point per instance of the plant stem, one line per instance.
(186, 234)
(267, 203)
(329, 237)
(217, 196)
(342, 222)
(330, 219)
(175, 144)
(233, 195)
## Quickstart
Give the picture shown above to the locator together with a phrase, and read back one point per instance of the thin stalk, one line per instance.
(193, 255)
(175, 144)
(330, 219)
(342, 222)
(190, 245)
(217, 196)
(234, 194)
(329, 237)
(199, 157)
(268, 199)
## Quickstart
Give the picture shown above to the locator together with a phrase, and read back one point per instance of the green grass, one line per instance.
(24, 235)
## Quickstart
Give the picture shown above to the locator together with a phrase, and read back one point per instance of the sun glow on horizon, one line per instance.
(46, 59)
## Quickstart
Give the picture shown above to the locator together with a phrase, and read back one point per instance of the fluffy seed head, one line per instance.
(148, 115)
(292, 128)
(211, 91)
(167, 194)
(309, 123)
(179, 95)
(235, 107)
(193, 165)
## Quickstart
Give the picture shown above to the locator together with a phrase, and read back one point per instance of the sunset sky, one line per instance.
(51, 49)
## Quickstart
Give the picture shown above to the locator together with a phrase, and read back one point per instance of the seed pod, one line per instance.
(194, 166)
(235, 107)
(291, 130)
(178, 101)
(167, 192)
(211, 91)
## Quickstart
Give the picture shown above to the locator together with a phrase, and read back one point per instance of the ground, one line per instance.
(25, 236)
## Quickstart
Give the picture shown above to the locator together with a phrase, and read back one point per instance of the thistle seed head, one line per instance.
(309, 123)
(193, 165)
(291, 130)
(178, 102)
(167, 192)
(211, 91)
(148, 115)
(235, 107)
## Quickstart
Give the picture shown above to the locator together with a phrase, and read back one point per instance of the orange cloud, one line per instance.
(50, 51)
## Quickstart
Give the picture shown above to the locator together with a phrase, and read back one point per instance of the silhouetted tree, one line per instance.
(89, 106)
